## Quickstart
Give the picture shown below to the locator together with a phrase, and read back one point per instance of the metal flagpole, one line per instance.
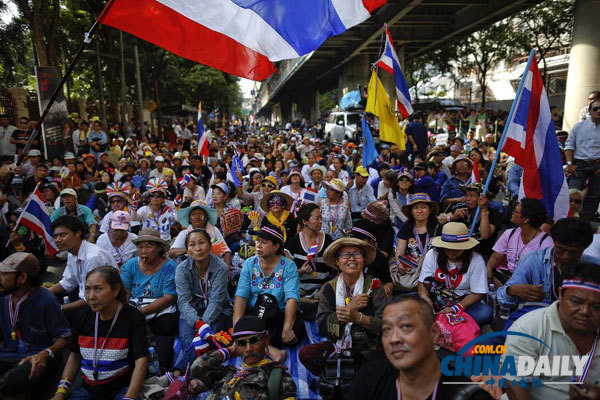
(503, 137)
(87, 39)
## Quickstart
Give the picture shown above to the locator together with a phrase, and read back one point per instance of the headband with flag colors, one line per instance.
(202, 136)
(156, 184)
(240, 37)
(273, 232)
(117, 189)
(578, 284)
(389, 61)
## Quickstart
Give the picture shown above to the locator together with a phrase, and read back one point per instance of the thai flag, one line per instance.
(236, 164)
(240, 37)
(475, 175)
(389, 62)
(309, 195)
(312, 252)
(184, 180)
(531, 140)
(36, 218)
(202, 137)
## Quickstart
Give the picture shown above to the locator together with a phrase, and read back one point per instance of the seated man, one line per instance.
(32, 328)
(411, 368)
(82, 257)
(255, 379)
(568, 327)
(537, 276)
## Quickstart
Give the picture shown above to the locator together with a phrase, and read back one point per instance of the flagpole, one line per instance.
(503, 137)
(25, 208)
(87, 39)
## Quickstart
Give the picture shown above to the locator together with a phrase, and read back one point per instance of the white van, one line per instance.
(341, 125)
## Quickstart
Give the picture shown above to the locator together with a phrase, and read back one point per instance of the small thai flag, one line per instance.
(312, 252)
(309, 195)
(36, 218)
(184, 180)
(407, 262)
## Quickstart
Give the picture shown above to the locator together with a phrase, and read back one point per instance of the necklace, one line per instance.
(96, 357)
(422, 248)
(13, 314)
(519, 251)
(588, 364)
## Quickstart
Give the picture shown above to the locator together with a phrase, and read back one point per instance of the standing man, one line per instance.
(416, 133)
(6, 131)
(585, 111)
(20, 136)
(82, 257)
(360, 194)
(582, 152)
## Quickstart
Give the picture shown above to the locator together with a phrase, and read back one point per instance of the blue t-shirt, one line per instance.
(152, 286)
(40, 323)
(283, 283)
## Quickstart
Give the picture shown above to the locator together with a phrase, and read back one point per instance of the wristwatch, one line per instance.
(50, 352)
(569, 162)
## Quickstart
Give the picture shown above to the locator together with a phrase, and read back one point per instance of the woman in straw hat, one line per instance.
(150, 280)
(414, 238)
(350, 308)
(454, 266)
(277, 207)
(335, 210)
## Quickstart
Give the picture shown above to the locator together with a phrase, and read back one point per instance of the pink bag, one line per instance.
(456, 330)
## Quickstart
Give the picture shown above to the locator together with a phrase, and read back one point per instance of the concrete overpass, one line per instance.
(417, 26)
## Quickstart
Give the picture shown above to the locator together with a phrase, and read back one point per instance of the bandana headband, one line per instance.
(584, 285)
(363, 232)
(273, 233)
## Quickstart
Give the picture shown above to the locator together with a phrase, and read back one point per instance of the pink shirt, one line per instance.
(511, 245)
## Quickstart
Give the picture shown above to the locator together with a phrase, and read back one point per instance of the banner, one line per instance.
(53, 128)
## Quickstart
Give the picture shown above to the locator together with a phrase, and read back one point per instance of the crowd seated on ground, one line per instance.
(225, 275)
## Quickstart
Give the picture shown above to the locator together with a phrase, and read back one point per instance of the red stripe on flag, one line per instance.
(161, 25)
(40, 231)
(111, 343)
(371, 5)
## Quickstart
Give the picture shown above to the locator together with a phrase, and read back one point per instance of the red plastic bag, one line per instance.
(456, 330)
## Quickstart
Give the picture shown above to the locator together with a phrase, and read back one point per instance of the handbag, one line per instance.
(456, 330)
(336, 378)
(266, 307)
(144, 301)
(405, 277)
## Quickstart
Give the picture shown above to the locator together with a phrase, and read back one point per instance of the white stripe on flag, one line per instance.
(541, 129)
(240, 24)
(351, 12)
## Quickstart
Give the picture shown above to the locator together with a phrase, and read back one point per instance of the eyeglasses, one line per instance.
(267, 185)
(576, 201)
(116, 201)
(346, 256)
(157, 195)
(252, 340)
(595, 109)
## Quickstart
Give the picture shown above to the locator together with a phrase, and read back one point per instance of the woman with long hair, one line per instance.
(414, 238)
(453, 266)
(108, 343)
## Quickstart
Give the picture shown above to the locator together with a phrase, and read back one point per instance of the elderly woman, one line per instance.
(398, 198)
(118, 241)
(276, 205)
(317, 174)
(201, 282)
(350, 308)
(453, 267)
(515, 243)
(200, 216)
(149, 278)
(335, 210)
(158, 214)
(193, 191)
(269, 287)
(575, 201)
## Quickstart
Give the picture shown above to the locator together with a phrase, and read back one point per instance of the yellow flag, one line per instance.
(378, 102)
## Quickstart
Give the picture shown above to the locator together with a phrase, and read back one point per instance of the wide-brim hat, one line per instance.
(152, 235)
(462, 158)
(335, 184)
(317, 167)
(455, 236)
(183, 215)
(264, 204)
(329, 255)
(421, 198)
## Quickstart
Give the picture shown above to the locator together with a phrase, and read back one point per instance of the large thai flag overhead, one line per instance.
(389, 61)
(241, 37)
(36, 218)
(531, 140)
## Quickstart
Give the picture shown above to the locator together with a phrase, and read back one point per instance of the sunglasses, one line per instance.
(576, 201)
(267, 185)
(595, 109)
(252, 340)
(157, 195)
(117, 201)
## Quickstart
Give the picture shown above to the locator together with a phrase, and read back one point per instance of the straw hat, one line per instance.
(455, 236)
(420, 198)
(152, 235)
(330, 253)
(183, 215)
(317, 167)
(264, 204)
(462, 158)
(335, 184)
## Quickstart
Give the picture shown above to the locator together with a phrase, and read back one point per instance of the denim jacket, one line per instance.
(192, 307)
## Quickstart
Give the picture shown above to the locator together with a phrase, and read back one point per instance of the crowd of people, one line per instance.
(175, 263)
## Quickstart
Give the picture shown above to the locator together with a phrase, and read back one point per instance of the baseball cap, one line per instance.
(21, 262)
(120, 220)
(360, 170)
(34, 153)
(249, 325)
(159, 158)
(68, 191)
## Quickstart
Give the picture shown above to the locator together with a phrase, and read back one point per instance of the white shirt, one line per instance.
(6, 147)
(474, 280)
(161, 222)
(89, 257)
(122, 254)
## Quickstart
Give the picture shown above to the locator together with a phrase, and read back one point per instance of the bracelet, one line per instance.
(448, 217)
(20, 247)
(64, 387)
(485, 212)
(127, 398)
(361, 317)
(457, 307)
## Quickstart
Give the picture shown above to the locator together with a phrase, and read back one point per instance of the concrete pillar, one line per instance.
(354, 73)
(19, 97)
(276, 113)
(315, 110)
(82, 105)
(584, 60)
(286, 112)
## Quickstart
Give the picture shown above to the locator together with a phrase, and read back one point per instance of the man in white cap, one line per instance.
(32, 328)
(118, 240)
(33, 159)
(83, 213)
(159, 163)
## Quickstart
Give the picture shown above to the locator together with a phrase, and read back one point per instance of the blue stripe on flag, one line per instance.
(303, 24)
(550, 170)
(35, 209)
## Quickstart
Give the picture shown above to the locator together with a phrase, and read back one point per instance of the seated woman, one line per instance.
(398, 198)
(159, 214)
(276, 205)
(255, 197)
(515, 243)
(200, 216)
(201, 282)
(350, 308)
(269, 288)
(150, 279)
(108, 343)
(453, 265)
(307, 248)
(193, 191)
(415, 235)
(229, 216)
(118, 241)
(335, 210)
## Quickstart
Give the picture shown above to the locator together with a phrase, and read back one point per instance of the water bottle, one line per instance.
(153, 365)
(236, 261)
(491, 297)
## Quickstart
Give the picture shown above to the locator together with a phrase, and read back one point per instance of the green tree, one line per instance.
(419, 70)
